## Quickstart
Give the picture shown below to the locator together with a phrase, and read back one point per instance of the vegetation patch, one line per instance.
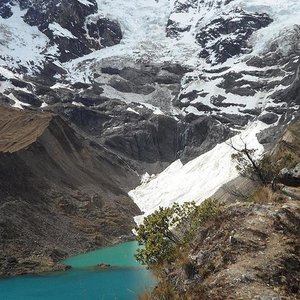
(171, 228)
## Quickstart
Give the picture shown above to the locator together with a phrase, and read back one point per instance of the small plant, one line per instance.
(156, 236)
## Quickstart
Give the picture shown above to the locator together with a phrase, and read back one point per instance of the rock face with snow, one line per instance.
(228, 59)
(246, 66)
(223, 35)
(73, 28)
(153, 81)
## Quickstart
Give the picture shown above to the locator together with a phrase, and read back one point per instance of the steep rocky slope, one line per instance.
(250, 250)
(60, 194)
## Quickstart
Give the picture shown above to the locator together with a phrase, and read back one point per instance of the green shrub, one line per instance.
(168, 228)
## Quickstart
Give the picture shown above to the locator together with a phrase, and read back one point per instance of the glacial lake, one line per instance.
(124, 281)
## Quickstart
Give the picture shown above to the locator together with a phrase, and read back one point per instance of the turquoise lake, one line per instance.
(125, 282)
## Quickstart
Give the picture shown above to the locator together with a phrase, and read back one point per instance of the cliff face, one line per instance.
(59, 194)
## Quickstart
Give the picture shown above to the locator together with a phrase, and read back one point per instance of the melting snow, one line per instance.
(17, 104)
(85, 2)
(132, 110)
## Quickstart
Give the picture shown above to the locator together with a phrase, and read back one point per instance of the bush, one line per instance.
(168, 228)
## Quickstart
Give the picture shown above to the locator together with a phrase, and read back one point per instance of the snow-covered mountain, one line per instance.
(240, 54)
(35, 32)
(154, 81)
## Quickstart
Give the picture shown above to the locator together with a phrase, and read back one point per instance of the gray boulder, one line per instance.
(291, 177)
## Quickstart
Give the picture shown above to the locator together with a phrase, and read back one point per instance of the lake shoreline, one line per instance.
(111, 272)
(44, 263)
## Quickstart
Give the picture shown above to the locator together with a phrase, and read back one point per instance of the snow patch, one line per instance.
(197, 180)
(20, 43)
(132, 110)
(77, 104)
(85, 2)
(60, 31)
(18, 103)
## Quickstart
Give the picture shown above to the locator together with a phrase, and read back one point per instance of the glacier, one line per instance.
(197, 180)
(144, 37)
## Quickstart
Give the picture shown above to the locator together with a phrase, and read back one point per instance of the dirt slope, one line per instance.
(18, 129)
(59, 193)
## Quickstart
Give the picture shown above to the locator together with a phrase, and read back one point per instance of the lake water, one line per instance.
(124, 282)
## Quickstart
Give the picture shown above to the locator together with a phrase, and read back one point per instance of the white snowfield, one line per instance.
(143, 24)
(286, 16)
(198, 179)
(60, 31)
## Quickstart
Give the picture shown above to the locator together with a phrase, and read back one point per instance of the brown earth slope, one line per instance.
(60, 194)
(251, 250)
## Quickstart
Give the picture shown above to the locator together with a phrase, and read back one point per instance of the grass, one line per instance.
(164, 291)
(265, 195)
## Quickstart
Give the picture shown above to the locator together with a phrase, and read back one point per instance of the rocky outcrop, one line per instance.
(145, 134)
(291, 177)
(60, 194)
(148, 142)
(228, 36)
(250, 252)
